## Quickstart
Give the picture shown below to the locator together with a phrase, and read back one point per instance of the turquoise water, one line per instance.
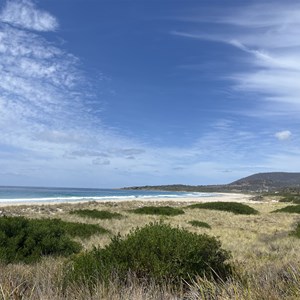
(43, 194)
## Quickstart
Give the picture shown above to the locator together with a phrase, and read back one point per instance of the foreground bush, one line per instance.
(234, 207)
(96, 214)
(197, 223)
(289, 209)
(158, 210)
(28, 240)
(155, 252)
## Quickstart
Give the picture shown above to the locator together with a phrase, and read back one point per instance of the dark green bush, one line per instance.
(158, 210)
(81, 230)
(291, 198)
(196, 223)
(27, 240)
(289, 209)
(234, 207)
(96, 214)
(155, 252)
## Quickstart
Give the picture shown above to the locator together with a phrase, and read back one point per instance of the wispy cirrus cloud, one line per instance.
(267, 34)
(24, 14)
(47, 119)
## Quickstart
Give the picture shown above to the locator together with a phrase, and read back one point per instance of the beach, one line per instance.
(221, 197)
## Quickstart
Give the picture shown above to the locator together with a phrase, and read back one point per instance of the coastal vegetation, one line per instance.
(158, 210)
(197, 223)
(292, 209)
(254, 256)
(234, 207)
(156, 252)
(27, 240)
(296, 231)
(96, 214)
(291, 199)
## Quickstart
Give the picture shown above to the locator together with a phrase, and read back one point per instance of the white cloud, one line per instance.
(283, 135)
(267, 34)
(24, 14)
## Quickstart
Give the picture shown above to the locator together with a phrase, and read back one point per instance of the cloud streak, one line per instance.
(268, 36)
(25, 15)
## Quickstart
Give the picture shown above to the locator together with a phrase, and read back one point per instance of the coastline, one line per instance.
(222, 197)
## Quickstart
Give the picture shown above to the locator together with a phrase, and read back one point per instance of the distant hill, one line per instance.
(268, 181)
(260, 182)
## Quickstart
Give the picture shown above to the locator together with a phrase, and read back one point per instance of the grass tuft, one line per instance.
(296, 232)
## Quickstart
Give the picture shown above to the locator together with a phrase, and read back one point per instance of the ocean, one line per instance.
(46, 194)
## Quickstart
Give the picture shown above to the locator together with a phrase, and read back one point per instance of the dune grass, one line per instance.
(158, 210)
(234, 207)
(96, 214)
(296, 231)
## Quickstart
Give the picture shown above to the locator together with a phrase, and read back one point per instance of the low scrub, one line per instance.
(196, 223)
(96, 214)
(155, 252)
(81, 230)
(289, 209)
(158, 210)
(27, 240)
(291, 198)
(234, 207)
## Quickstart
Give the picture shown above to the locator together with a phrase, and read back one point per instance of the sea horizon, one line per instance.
(13, 194)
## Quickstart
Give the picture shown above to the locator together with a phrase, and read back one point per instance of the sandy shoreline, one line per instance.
(223, 197)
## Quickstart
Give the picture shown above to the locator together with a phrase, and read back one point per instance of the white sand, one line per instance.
(222, 197)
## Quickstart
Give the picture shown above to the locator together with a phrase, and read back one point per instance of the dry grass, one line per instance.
(267, 259)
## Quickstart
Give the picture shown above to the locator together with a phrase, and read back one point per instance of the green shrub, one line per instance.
(234, 207)
(27, 240)
(291, 198)
(289, 209)
(81, 230)
(155, 252)
(96, 214)
(196, 223)
(158, 210)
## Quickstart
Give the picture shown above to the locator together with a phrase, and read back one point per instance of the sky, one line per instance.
(113, 93)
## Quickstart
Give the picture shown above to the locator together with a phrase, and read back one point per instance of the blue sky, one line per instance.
(99, 93)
